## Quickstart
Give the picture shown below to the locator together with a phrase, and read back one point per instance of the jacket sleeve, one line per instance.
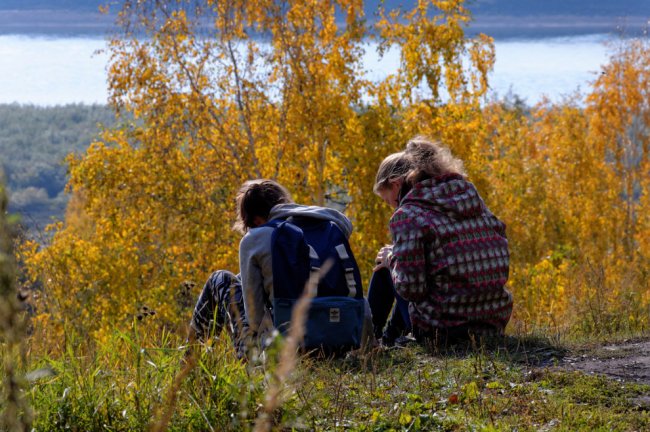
(408, 260)
(252, 282)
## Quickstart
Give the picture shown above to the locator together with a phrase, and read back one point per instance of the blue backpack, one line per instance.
(300, 246)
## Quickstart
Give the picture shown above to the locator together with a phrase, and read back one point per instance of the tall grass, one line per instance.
(16, 414)
(125, 385)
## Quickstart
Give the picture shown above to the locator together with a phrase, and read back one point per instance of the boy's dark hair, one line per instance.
(257, 198)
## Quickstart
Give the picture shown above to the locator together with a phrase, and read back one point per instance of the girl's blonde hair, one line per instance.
(422, 159)
(257, 198)
(392, 167)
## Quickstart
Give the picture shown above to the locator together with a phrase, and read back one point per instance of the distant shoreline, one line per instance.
(55, 22)
(504, 26)
(94, 24)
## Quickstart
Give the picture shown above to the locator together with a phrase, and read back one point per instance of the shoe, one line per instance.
(390, 335)
(405, 340)
(387, 340)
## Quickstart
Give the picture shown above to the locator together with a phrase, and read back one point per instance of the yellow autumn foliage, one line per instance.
(215, 93)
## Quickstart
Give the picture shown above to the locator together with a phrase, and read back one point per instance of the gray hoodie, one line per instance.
(255, 260)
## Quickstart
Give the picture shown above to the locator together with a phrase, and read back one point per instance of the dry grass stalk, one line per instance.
(287, 363)
(167, 410)
(288, 355)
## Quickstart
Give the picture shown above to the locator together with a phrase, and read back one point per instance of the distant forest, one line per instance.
(478, 7)
(34, 142)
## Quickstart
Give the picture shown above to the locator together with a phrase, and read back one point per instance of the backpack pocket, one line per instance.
(333, 323)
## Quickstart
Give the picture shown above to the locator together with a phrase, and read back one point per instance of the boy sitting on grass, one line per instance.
(242, 302)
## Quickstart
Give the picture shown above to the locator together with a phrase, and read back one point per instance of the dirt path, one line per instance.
(627, 361)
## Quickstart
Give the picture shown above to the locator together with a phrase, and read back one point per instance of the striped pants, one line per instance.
(220, 304)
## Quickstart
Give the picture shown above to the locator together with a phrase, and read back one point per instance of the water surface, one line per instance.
(60, 70)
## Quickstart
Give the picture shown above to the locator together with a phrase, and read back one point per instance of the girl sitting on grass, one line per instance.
(449, 258)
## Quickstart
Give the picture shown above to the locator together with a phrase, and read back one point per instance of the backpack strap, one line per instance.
(290, 257)
(349, 270)
(314, 266)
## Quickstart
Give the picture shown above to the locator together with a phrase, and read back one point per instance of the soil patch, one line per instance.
(626, 361)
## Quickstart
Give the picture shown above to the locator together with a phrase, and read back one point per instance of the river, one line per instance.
(49, 71)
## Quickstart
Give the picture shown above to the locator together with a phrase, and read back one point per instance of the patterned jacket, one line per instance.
(450, 257)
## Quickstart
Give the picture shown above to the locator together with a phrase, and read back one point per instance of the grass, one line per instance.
(514, 384)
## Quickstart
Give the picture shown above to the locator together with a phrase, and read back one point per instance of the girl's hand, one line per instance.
(383, 257)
